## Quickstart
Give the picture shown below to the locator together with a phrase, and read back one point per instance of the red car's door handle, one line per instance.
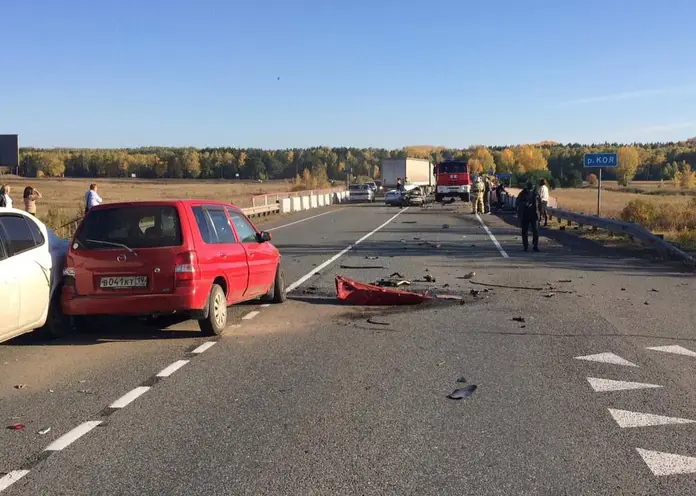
(222, 255)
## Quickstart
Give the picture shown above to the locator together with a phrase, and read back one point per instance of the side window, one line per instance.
(203, 225)
(19, 235)
(245, 231)
(221, 225)
(36, 233)
(3, 245)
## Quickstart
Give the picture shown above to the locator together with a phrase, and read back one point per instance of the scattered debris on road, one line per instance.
(409, 222)
(530, 288)
(565, 280)
(310, 290)
(445, 226)
(445, 286)
(470, 275)
(392, 283)
(85, 391)
(377, 322)
(462, 380)
(45, 431)
(360, 293)
(16, 427)
(440, 364)
(550, 295)
(623, 289)
(646, 303)
(654, 290)
(461, 393)
(429, 278)
(474, 292)
(518, 319)
(371, 258)
(20, 386)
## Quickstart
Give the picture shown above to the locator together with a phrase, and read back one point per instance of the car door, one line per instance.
(30, 256)
(224, 253)
(262, 257)
(9, 295)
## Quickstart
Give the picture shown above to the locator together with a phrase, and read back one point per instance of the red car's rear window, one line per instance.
(132, 227)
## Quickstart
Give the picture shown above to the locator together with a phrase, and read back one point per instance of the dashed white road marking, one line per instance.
(661, 463)
(679, 350)
(601, 385)
(490, 235)
(129, 397)
(70, 437)
(11, 477)
(251, 315)
(302, 220)
(607, 358)
(170, 369)
(331, 260)
(204, 347)
(626, 418)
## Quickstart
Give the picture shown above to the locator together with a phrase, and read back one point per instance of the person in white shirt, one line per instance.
(93, 199)
(5, 200)
(544, 195)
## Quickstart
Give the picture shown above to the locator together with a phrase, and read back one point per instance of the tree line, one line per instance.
(560, 163)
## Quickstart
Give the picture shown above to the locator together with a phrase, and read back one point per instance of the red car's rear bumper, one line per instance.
(185, 299)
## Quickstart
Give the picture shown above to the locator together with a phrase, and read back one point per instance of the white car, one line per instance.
(31, 271)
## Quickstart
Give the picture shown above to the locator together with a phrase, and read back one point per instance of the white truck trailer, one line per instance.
(416, 171)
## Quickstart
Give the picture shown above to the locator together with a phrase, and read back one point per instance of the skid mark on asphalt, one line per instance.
(658, 462)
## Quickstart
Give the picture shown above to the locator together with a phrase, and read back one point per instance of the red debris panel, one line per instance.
(360, 293)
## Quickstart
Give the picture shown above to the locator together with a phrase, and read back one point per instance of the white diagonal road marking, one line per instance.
(627, 418)
(679, 350)
(600, 385)
(70, 437)
(661, 463)
(607, 358)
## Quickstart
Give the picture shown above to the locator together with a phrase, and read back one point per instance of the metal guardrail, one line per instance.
(634, 231)
(261, 210)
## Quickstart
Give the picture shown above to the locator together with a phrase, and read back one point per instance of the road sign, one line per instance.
(601, 160)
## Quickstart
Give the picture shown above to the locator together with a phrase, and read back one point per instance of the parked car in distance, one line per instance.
(31, 271)
(191, 257)
(361, 193)
(374, 186)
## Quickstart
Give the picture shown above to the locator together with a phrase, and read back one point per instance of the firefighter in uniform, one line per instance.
(478, 191)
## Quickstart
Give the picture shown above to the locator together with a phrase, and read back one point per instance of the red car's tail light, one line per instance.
(186, 267)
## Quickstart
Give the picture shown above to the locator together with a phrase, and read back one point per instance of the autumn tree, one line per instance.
(51, 165)
(529, 159)
(481, 159)
(628, 165)
(190, 163)
(507, 161)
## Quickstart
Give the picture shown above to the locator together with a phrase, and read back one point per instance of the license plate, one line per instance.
(119, 282)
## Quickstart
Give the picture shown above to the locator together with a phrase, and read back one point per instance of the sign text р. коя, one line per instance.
(601, 160)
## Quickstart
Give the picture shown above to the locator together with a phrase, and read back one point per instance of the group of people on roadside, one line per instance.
(484, 191)
(30, 196)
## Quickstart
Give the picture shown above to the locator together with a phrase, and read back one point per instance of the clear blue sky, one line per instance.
(356, 72)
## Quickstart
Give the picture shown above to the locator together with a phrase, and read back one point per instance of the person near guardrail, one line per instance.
(528, 207)
(544, 195)
(499, 192)
(92, 199)
(5, 200)
(478, 190)
(30, 196)
(487, 195)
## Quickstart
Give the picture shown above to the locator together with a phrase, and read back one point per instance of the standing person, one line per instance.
(499, 190)
(478, 191)
(5, 200)
(487, 193)
(544, 195)
(529, 212)
(92, 199)
(30, 197)
(399, 185)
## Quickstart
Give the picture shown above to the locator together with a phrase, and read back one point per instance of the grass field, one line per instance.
(584, 200)
(64, 198)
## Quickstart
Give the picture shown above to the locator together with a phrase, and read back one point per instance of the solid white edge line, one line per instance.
(129, 397)
(11, 477)
(331, 260)
(204, 347)
(490, 235)
(251, 315)
(302, 220)
(70, 437)
(170, 369)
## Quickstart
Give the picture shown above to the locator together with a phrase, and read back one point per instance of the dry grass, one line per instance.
(64, 199)
(584, 200)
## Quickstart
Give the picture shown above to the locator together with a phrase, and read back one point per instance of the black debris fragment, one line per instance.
(654, 290)
(462, 380)
(474, 292)
(371, 258)
(461, 393)
(377, 322)
(518, 319)
(429, 278)
(565, 280)
(445, 226)
(361, 267)
(310, 290)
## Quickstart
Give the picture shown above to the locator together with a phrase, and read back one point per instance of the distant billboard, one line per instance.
(9, 150)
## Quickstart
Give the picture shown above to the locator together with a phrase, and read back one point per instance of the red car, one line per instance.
(194, 257)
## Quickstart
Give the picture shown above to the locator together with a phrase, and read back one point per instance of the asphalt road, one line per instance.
(314, 397)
